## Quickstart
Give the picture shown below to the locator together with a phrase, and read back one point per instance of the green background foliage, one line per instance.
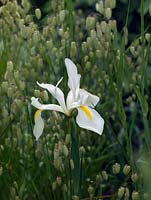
(111, 48)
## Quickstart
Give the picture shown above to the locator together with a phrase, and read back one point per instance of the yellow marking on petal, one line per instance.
(86, 111)
(36, 114)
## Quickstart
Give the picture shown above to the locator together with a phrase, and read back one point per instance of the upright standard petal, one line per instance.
(38, 105)
(88, 98)
(90, 119)
(56, 92)
(39, 124)
(74, 77)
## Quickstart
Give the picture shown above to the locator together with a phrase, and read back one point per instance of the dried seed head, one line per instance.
(134, 177)
(1, 170)
(150, 9)
(54, 185)
(10, 66)
(75, 197)
(38, 13)
(126, 169)
(65, 151)
(90, 22)
(90, 190)
(58, 180)
(108, 13)
(104, 175)
(116, 168)
(135, 195)
(100, 7)
(127, 193)
(148, 37)
(121, 191)
(62, 15)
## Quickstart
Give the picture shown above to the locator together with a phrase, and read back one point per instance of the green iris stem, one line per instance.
(75, 156)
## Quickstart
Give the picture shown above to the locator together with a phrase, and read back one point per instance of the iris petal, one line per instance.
(56, 92)
(90, 119)
(73, 77)
(35, 102)
(39, 125)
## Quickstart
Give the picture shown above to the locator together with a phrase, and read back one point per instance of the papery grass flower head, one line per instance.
(77, 98)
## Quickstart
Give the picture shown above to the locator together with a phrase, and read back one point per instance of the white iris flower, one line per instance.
(80, 99)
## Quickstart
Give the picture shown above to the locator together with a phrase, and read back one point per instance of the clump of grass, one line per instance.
(32, 49)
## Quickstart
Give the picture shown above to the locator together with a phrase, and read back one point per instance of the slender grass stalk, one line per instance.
(70, 25)
(70, 21)
(142, 100)
(143, 47)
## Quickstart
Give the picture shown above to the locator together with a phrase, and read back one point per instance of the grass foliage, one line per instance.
(115, 165)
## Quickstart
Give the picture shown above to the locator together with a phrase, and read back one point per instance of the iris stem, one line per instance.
(75, 156)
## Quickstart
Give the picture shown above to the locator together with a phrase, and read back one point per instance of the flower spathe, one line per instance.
(87, 117)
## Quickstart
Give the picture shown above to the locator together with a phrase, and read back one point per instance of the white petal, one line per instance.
(88, 98)
(69, 100)
(38, 105)
(71, 103)
(74, 77)
(39, 125)
(90, 119)
(56, 92)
